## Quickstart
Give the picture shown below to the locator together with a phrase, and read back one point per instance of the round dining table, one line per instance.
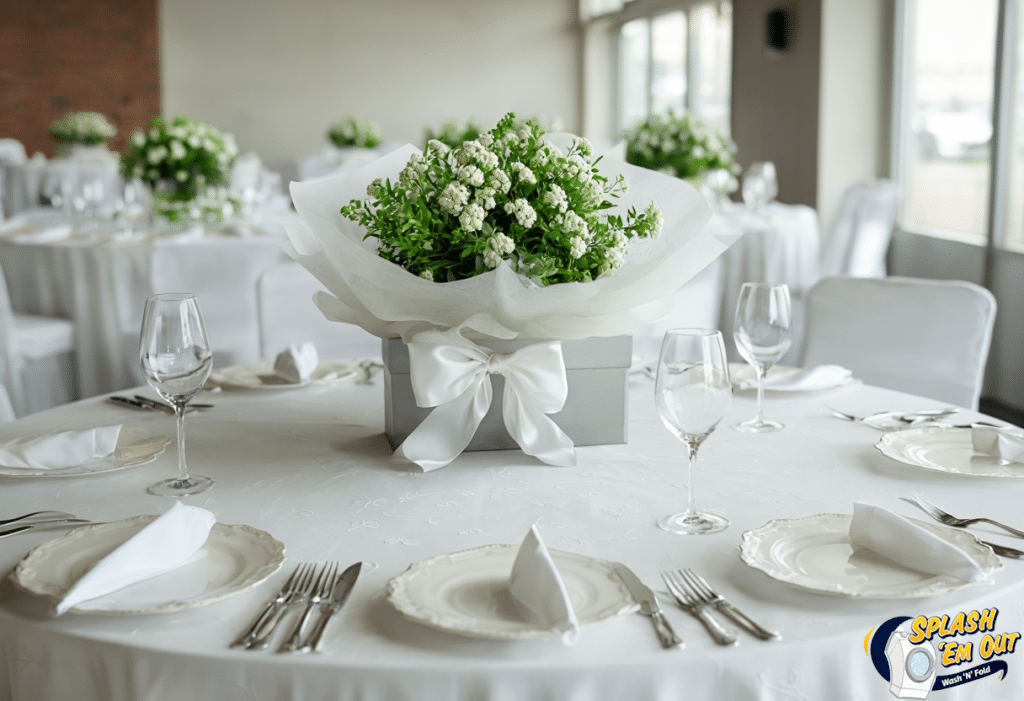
(310, 466)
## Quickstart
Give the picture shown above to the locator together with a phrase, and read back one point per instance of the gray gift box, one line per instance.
(595, 412)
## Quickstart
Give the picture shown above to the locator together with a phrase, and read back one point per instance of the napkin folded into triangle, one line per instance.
(804, 379)
(910, 545)
(63, 449)
(998, 443)
(536, 584)
(172, 540)
(297, 363)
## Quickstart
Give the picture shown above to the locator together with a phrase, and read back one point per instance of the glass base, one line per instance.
(180, 488)
(694, 523)
(755, 426)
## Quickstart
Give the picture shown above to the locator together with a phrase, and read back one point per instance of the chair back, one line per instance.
(12, 151)
(925, 337)
(859, 239)
(288, 315)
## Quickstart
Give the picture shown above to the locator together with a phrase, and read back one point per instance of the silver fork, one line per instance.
(693, 604)
(700, 585)
(320, 591)
(298, 596)
(275, 604)
(950, 520)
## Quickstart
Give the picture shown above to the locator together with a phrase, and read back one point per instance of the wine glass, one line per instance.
(692, 392)
(176, 360)
(760, 185)
(763, 331)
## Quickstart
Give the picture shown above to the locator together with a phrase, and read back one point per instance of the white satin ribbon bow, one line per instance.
(454, 380)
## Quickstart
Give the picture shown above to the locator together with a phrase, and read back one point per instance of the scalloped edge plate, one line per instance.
(135, 446)
(238, 557)
(945, 449)
(814, 553)
(466, 592)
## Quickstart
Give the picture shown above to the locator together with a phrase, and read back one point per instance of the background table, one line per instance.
(311, 467)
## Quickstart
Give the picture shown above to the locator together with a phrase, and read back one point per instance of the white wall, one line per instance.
(276, 74)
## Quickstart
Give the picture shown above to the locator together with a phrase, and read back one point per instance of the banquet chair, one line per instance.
(925, 337)
(12, 151)
(37, 362)
(859, 239)
(287, 316)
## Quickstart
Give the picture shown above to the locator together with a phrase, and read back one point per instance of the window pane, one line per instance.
(711, 63)
(634, 54)
(668, 69)
(1014, 235)
(949, 98)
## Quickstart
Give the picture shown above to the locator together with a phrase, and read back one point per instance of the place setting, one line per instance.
(295, 367)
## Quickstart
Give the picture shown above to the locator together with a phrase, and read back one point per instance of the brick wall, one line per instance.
(58, 56)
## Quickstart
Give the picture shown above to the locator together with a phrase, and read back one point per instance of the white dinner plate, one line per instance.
(237, 557)
(815, 553)
(467, 592)
(135, 446)
(945, 449)
(744, 372)
(262, 376)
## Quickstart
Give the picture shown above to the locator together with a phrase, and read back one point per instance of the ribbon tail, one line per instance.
(535, 432)
(448, 429)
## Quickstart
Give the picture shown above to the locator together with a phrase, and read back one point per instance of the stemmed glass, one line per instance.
(763, 332)
(176, 360)
(692, 393)
(760, 185)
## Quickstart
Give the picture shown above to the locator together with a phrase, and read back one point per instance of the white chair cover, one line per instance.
(287, 315)
(12, 151)
(859, 238)
(926, 337)
(6, 409)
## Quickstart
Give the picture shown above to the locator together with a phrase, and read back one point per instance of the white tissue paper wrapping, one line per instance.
(63, 449)
(902, 541)
(536, 584)
(998, 443)
(172, 540)
(388, 301)
(297, 363)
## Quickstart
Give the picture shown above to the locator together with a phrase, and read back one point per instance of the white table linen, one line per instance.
(102, 287)
(27, 184)
(312, 467)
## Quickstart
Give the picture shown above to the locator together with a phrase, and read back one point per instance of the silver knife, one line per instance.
(648, 605)
(342, 588)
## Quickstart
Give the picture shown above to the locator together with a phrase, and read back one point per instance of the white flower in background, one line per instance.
(577, 247)
(435, 145)
(584, 147)
(157, 155)
(556, 198)
(138, 139)
(487, 160)
(485, 198)
(154, 134)
(374, 187)
(593, 191)
(615, 257)
(471, 175)
(178, 151)
(524, 173)
(453, 198)
(620, 183)
(182, 176)
(499, 180)
(470, 151)
(524, 213)
(574, 222)
(194, 141)
(486, 140)
(502, 244)
(472, 218)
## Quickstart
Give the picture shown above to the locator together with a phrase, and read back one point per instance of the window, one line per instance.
(960, 155)
(676, 59)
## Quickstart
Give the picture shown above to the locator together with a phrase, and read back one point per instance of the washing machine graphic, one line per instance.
(912, 667)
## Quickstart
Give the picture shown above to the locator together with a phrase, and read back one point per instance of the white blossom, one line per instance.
(471, 175)
(556, 198)
(524, 213)
(181, 175)
(500, 243)
(499, 180)
(524, 173)
(472, 218)
(491, 258)
(453, 198)
(138, 139)
(577, 247)
(427, 275)
(485, 198)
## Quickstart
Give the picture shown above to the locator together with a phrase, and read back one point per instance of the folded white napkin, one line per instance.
(297, 363)
(172, 540)
(804, 379)
(998, 442)
(906, 543)
(63, 449)
(58, 232)
(536, 584)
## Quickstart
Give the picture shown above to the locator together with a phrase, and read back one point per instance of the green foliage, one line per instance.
(679, 145)
(86, 128)
(354, 131)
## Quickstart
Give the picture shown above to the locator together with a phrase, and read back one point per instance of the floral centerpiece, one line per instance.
(515, 237)
(80, 131)
(454, 132)
(682, 146)
(355, 132)
(187, 164)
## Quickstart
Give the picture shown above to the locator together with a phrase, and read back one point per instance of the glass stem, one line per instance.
(179, 413)
(692, 444)
(760, 370)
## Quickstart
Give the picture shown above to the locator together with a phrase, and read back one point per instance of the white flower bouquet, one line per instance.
(680, 145)
(355, 132)
(514, 235)
(83, 128)
(187, 164)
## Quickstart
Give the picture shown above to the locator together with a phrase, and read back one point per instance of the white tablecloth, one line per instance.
(103, 287)
(34, 182)
(312, 467)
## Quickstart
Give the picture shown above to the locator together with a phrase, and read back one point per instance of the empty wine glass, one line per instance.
(760, 185)
(763, 331)
(692, 392)
(176, 360)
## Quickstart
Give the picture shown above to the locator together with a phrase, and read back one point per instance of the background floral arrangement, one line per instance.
(188, 165)
(680, 145)
(86, 128)
(452, 133)
(354, 131)
(507, 195)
